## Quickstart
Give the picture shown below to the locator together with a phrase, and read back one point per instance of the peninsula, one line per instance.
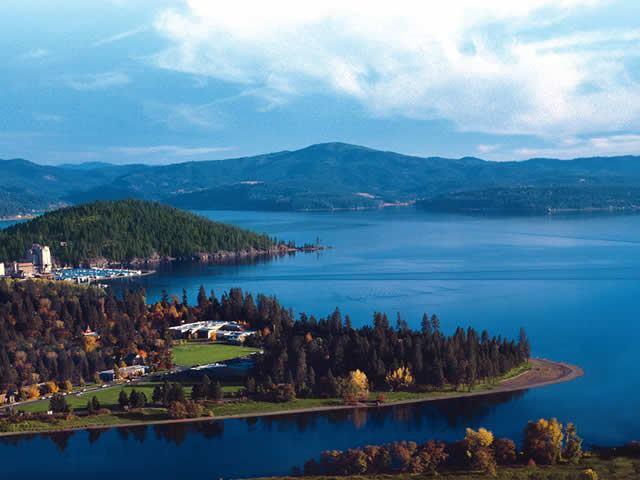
(117, 361)
(134, 232)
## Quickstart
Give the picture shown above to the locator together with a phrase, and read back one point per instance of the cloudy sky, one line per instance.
(165, 81)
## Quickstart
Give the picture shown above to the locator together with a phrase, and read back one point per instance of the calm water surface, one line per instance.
(572, 282)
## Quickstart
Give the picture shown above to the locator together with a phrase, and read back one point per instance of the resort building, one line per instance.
(37, 261)
(231, 332)
(22, 269)
(124, 373)
(206, 329)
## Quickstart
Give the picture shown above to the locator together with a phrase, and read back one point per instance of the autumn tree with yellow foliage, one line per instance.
(479, 450)
(355, 387)
(543, 441)
(400, 378)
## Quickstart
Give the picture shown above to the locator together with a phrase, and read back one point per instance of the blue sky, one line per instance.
(156, 81)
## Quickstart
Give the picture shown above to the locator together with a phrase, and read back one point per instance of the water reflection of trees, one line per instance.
(454, 413)
(176, 433)
(94, 435)
(15, 440)
(137, 433)
(451, 414)
(61, 439)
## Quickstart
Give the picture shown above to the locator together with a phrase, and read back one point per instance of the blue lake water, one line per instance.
(571, 281)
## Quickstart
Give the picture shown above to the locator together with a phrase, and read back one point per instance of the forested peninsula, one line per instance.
(131, 231)
(56, 336)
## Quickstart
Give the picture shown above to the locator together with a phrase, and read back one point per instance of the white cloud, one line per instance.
(47, 117)
(172, 150)
(480, 65)
(184, 116)
(619, 144)
(97, 81)
(35, 54)
(484, 148)
(120, 36)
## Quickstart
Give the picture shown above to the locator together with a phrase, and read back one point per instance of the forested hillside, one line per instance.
(41, 325)
(319, 177)
(123, 230)
(537, 200)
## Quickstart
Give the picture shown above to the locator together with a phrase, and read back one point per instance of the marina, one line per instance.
(89, 275)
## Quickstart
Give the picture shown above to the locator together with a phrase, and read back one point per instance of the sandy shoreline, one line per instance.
(543, 373)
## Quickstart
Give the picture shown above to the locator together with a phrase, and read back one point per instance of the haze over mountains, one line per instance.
(332, 176)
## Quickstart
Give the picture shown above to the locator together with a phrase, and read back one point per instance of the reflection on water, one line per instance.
(452, 413)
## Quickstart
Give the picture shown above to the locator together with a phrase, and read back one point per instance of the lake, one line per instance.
(571, 281)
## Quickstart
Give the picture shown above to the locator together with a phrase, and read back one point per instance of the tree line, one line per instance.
(317, 356)
(43, 338)
(545, 442)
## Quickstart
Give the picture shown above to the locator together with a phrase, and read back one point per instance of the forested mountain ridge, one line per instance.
(319, 177)
(125, 230)
(531, 200)
(28, 187)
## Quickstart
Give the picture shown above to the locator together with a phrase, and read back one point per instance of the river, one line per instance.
(571, 281)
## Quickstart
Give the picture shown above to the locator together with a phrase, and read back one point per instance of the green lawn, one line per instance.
(108, 397)
(252, 406)
(190, 354)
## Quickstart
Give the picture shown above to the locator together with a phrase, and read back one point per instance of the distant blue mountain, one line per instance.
(321, 177)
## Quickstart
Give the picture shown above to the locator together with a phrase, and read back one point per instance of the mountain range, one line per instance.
(331, 176)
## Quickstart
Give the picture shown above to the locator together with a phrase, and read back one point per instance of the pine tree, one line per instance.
(426, 325)
(123, 400)
(158, 394)
(216, 391)
(203, 301)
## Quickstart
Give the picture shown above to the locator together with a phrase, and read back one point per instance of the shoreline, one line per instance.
(536, 377)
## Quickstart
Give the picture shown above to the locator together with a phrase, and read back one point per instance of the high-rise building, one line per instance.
(41, 256)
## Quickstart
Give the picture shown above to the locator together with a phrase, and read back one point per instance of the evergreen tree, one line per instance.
(58, 404)
(203, 301)
(123, 400)
(216, 391)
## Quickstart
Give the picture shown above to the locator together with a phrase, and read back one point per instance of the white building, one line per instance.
(2, 272)
(196, 329)
(41, 258)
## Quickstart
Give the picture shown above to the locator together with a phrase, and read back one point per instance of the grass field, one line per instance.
(190, 354)
(108, 397)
